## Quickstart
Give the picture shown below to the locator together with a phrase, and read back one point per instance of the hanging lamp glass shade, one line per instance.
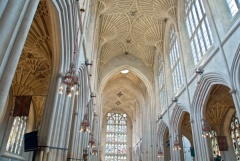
(94, 151)
(92, 142)
(176, 144)
(85, 124)
(85, 155)
(70, 79)
(206, 130)
(160, 153)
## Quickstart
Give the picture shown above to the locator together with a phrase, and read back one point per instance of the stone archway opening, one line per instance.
(218, 114)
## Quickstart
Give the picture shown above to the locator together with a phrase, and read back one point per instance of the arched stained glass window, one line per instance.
(234, 6)
(235, 131)
(214, 143)
(175, 64)
(198, 29)
(116, 137)
(15, 140)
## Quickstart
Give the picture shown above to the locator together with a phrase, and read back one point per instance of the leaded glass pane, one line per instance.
(175, 61)
(233, 6)
(14, 144)
(163, 99)
(214, 143)
(161, 79)
(161, 83)
(234, 128)
(198, 29)
(116, 137)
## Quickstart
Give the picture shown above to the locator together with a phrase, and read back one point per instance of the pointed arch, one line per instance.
(205, 83)
(175, 119)
(235, 69)
(161, 132)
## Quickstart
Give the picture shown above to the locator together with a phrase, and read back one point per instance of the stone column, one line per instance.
(200, 144)
(13, 41)
(9, 25)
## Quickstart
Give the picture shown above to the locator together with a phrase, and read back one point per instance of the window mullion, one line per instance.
(189, 26)
(208, 31)
(203, 38)
(193, 20)
(195, 47)
(15, 136)
(199, 42)
(237, 3)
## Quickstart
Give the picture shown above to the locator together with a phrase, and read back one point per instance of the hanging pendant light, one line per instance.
(85, 155)
(94, 151)
(176, 144)
(85, 124)
(206, 129)
(92, 142)
(82, 9)
(61, 89)
(160, 153)
(70, 79)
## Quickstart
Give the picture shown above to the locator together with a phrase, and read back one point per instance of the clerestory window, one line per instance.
(198, 29)
(233, 6)
(162, 92)
(175, 64)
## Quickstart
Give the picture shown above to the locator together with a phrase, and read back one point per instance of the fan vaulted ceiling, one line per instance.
(123, 91)
(133, 27)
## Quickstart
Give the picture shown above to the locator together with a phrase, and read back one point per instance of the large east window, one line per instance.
(15, 140)
(198, 29)
(116, 137)
(234, 6)
(175, 64)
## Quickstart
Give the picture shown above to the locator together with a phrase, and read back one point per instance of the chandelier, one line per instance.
(70, 79)
(206, 129)
(160, 153)
(85, 124)
(94, 151)
(176, 144)
(92, 142)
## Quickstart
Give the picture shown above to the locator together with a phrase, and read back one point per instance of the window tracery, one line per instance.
(233, 6)
(163, 99)
(175, 64)
(198, 28)
(15, 140)
(162, 91)
(116, 137)
(234, 129)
